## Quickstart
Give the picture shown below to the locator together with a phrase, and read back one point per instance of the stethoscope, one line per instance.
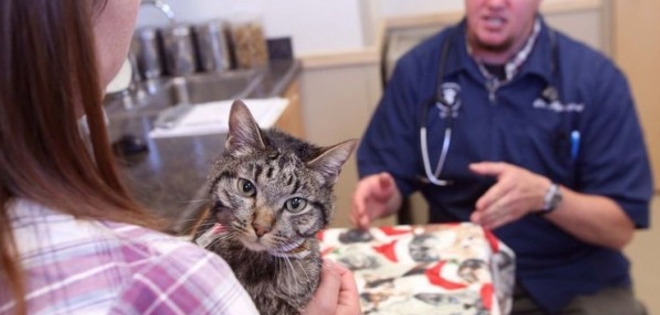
(549, 94)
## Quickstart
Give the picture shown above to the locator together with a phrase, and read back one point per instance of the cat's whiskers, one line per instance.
(281, 265)
(225, 236)
(293, 270)
(198, 200)
(193, 220)
(303, 269)
(201, 205)
(245, 252)
(185, 229)
(219, 238)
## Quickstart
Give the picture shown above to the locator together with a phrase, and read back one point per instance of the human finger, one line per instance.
(496, 191)
(493, 195)
(359, 204)
(349, 299)
(354, 214)
(385, 186)
(496, 209)
(359, 216)
(324, 301)
(488, 168)
(496, 221)
(370, 198)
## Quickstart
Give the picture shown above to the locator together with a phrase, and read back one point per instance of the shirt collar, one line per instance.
(535, 57)
(512, 66)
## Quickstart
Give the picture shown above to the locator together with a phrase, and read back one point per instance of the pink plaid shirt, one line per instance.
(90, 267)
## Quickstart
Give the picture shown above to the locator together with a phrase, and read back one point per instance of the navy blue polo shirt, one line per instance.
(514, 124)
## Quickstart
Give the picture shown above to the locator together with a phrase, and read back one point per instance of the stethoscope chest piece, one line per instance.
(449, 99)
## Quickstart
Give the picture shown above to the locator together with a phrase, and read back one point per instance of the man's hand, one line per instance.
(516, 193)
(376, 196)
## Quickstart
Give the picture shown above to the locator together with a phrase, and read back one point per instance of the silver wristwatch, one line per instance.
(552, 199)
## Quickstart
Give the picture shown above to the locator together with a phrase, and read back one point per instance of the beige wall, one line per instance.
(636, 50)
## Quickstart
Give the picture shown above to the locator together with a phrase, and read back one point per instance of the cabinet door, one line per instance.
(291, 119)
(637, 51)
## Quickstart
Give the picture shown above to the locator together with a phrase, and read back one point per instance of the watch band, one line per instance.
(552, 199)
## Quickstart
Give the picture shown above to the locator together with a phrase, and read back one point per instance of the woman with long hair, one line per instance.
(71, 238)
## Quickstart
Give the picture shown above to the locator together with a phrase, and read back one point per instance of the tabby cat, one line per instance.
(271, 194)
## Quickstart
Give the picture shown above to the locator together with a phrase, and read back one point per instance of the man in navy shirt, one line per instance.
(527, 133)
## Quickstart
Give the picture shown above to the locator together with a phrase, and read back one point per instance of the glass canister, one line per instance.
(212, 48)
(248, 41)
(178, 46)
(148, 57)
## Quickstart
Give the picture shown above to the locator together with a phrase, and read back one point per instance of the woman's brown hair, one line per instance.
(50, 77)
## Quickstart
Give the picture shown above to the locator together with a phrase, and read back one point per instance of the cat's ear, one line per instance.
(331, 159)
(243, 129)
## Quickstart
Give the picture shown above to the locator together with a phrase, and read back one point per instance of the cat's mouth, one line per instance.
(255, 245)
(210, 235)
(294, 249)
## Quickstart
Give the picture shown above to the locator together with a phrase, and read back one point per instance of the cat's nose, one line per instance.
(261, 230)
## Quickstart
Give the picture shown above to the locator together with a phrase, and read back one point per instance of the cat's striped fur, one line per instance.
(272, 193)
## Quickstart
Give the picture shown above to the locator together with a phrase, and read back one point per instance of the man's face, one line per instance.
(497, 25)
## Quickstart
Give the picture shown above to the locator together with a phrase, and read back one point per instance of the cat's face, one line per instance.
(272, 191)
(269, 203)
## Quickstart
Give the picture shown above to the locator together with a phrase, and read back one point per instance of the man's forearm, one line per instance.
(594, 219)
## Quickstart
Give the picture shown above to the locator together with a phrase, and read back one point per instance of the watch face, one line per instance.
(556, 199)
(552, 198)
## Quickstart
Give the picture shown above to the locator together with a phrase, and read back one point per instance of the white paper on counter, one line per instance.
(213, 117)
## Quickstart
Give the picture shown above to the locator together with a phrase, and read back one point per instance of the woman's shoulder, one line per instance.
(127, 266)
(38, 226)
(144, 242)
(173, 269)
(43, 231)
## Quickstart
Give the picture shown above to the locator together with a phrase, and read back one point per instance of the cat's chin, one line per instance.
(255, 246)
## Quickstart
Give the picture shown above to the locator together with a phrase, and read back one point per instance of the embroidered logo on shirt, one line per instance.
(451, 100)
(557, 106)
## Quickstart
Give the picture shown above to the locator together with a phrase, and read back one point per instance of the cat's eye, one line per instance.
(295, 204)
(246, 187)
